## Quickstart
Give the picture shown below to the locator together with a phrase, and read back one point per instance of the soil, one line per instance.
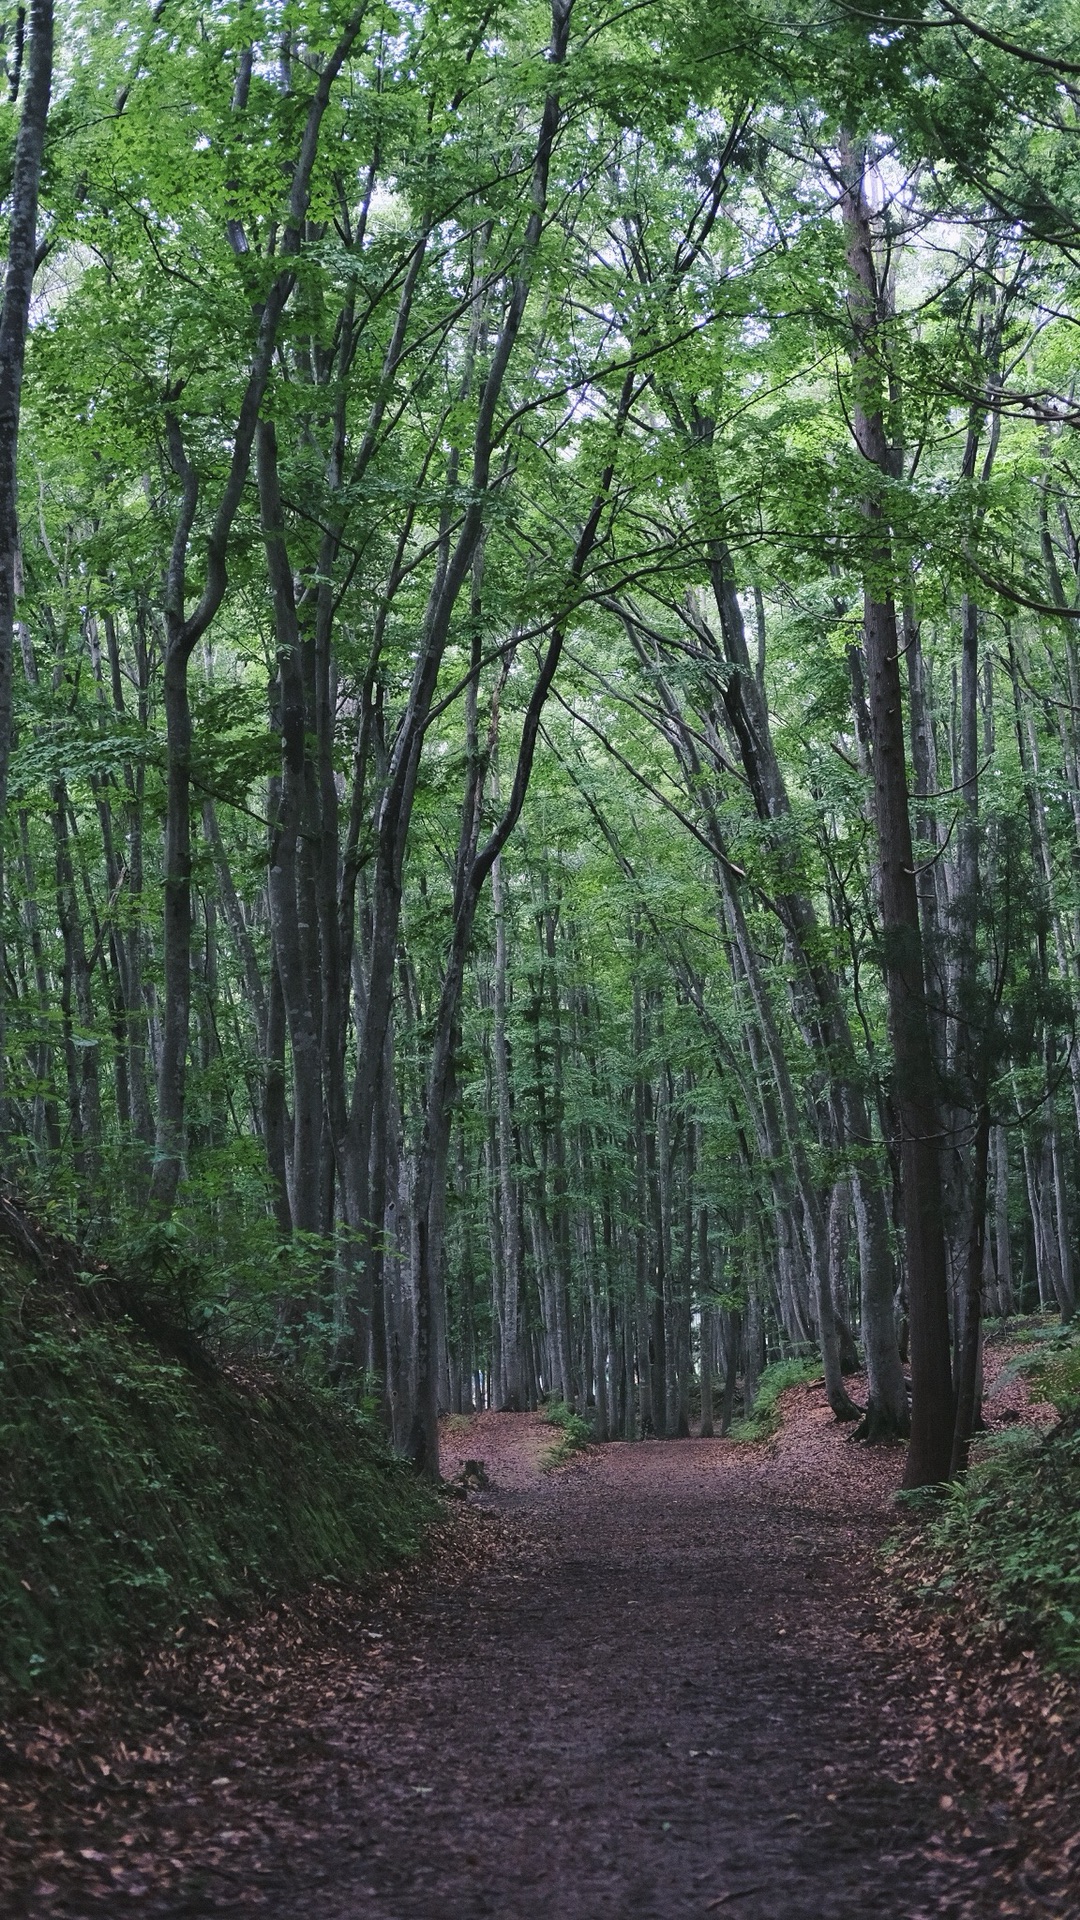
(650, 1684)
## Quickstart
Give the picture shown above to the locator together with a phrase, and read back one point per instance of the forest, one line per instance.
(540, 760)
(540, 698)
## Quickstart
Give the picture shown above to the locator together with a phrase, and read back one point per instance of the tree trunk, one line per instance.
(1002, 1241)
(732, 1323)
(510, 1305)
(839, 1226)
(967, 1385)
(708, 1324)
(14, 323)
(293, 918)
(752, 1348)
(932, 1406)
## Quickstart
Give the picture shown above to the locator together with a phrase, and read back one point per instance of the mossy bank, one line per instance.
(142, 1485)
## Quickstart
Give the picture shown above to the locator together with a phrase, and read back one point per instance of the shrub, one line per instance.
(764, 1417)
(574, 1434)
(1007, 1537)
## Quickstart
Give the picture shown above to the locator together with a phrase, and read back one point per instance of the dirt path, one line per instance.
(637, 1687)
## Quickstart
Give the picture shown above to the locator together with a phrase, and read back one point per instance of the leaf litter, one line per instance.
(506, 1728)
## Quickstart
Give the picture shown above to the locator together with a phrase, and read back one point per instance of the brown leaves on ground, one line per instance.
(397, 1734)
(1001, 1736)
(80, 1783)
(996, 1729)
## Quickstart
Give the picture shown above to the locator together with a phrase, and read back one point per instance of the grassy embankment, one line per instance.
(1005, 1542)
(142, 1486)
(764, 1417)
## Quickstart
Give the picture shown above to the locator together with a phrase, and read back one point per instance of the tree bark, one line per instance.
(1002, 1242)
(14, 324)
(932, 1405)
(510, 1305)
(967, 1384)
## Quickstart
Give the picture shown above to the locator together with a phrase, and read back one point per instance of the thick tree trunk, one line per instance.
(932, 876)
(932, 1408)
(839, 1222)
(14, 324)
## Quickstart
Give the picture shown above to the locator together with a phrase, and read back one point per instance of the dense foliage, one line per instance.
(511, 503)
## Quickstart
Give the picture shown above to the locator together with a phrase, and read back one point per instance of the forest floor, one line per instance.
(659, 1681)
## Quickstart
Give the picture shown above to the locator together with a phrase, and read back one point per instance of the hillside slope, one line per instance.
(142, 1485)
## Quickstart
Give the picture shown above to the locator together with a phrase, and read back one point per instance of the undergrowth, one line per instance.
(574, 1434)
(764, 1417)
(1006, 1540)
(140, 1490)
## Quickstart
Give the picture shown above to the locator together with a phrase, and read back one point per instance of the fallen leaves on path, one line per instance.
(226, 1764)
(209, 1726)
